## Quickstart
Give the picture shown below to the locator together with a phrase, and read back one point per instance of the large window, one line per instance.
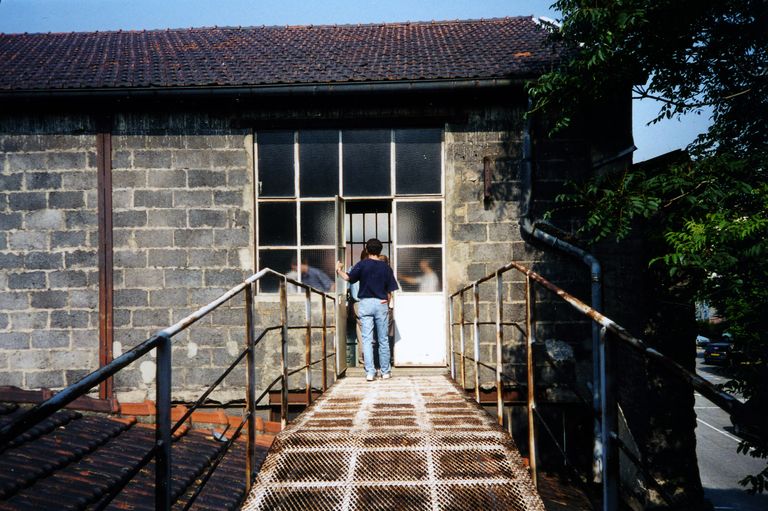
(299, 174)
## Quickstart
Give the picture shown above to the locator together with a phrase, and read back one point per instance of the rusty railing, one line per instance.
(164, 428)
(607, 442)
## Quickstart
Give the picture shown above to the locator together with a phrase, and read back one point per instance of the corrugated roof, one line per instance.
(254, 56)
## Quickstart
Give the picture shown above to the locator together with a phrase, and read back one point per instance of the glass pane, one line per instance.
(419, 269)
(357, 227)
(317, 268)
(370, 226)
(318, 223)
(348, 228)
(366, 162)
(383, 222)
(419, 223)
(277, 223)
(278, 260)
(276, 169)
(319, 163)
(417, 161)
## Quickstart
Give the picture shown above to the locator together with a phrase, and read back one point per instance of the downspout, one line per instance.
(529, 227)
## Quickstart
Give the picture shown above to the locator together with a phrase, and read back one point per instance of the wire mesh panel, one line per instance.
(410, 443)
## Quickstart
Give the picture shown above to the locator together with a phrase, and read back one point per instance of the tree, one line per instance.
(709, 213)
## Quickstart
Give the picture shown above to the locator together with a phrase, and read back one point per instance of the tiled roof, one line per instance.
(258, 56)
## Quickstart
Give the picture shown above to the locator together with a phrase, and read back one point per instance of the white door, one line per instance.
(420, 305)
(341, 291)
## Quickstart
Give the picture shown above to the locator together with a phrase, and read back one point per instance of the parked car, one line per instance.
(722, 352)
(701, 341)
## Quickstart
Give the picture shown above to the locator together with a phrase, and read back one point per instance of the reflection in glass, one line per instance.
(366, 162)
(420, 269)
(319, 163)
(277, 223)
(419, 223)
(317, 268)
(278, 260)
(317, 223)
(417, 161)
(276, 169)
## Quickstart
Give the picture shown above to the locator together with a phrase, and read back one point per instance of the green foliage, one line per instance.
(710, 212)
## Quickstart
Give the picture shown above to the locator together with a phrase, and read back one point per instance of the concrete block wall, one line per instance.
(48, 244)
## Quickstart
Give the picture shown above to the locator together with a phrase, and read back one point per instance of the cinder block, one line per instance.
(80, 259)
(192, 159)
(12, 378)
(130, 298)
(176, 297)
(183, 278)
(67, 279)
(207, 218)
(152, 159)
(228, 159)
(194, 198)
(10, 183)
(10, 221)
(66, 200)
(66, 239)
(206, 178)
(167, 179)
(48, 339)
(43, 260)
(227, 198)
(207, 258)
(42, 180)
(43, 379)
(84, 299)
(29, 359)
(44, 219)
(238, 177)
(131, 218)
(10, 261)
(232, 237)
(154, 238)
(26, 161)
(13, 300)
(143, 278)
(167, 258)
(193, 238)
(69, 319)
(67, 161)
(49, 299)
(79, 180)
(81, 219)
(129, 179)
(223, 278)
(14, 340)
(151, 317)
(469, 232)
(27, 201)
(27, 280)
(153, 198)
(167, 218)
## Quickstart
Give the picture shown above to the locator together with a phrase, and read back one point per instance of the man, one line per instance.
(376, 283)
(310, 276)
(355, 309)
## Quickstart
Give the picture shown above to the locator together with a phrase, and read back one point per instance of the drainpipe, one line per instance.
(530, 228)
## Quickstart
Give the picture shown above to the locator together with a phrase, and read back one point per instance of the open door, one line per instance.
(341, 290)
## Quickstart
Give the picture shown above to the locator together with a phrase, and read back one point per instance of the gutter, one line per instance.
(309, 89)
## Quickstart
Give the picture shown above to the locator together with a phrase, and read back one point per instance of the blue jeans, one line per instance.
(373, 312)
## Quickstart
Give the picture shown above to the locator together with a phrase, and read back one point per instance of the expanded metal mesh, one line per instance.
(409, 443)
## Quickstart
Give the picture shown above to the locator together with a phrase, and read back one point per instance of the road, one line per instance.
(720, 466)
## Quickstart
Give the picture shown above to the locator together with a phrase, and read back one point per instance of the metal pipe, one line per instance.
(271, 90)
(476, 339)
(529, 228)
(463, 346)
(324, 348)
(163, 426)
(610, 458)
(308, 345)
(105, 252)
(499, 343)
(450, 340)
(284, 353)
(529, 327)
(250, 392)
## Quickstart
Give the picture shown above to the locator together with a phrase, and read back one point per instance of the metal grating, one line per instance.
(409, 443)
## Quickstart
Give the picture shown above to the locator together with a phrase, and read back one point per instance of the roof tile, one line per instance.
(495, 48)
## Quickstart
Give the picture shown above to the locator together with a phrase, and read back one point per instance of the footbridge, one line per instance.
(418, 441)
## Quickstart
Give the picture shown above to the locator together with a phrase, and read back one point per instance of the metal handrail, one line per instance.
(161, 342)
(606, 458)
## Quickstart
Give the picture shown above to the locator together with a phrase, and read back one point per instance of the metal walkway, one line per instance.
(409, 443)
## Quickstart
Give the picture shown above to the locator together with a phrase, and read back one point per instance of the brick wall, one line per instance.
(48, 240)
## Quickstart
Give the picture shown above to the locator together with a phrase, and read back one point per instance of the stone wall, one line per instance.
(48, 244)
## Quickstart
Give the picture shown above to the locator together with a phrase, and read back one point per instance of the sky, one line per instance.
(18, 16)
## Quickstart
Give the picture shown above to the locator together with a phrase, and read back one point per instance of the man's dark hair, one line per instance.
(373, 246)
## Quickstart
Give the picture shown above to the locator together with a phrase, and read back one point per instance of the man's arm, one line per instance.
(340, 271)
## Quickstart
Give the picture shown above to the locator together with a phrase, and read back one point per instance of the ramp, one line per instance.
(408, 443)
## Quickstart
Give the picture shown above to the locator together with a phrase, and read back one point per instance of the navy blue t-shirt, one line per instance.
(376, 279)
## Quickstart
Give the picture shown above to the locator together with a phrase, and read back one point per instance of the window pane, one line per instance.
(417, 161)
(278, 260)
(318, 268)
(319, 163)
(276, 170)
(366, 162)
(370, 226)
(318, 223)
(419, 223)
(383, 220)
(277, 223)
(419, 269)
(357, 227)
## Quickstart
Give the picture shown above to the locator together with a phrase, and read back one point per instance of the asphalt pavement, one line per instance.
(721, 467)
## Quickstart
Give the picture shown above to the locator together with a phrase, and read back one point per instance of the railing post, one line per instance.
(163, 425)
(463, 345)
(250, 409)
(450, 340)
(308, 344)
(324, 347)
(530, 326)
(610, 458)
(476, 338)
(284, 353)
(499, 343)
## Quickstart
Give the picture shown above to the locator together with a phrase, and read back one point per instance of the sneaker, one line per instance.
(386, 376)
(370, 377)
